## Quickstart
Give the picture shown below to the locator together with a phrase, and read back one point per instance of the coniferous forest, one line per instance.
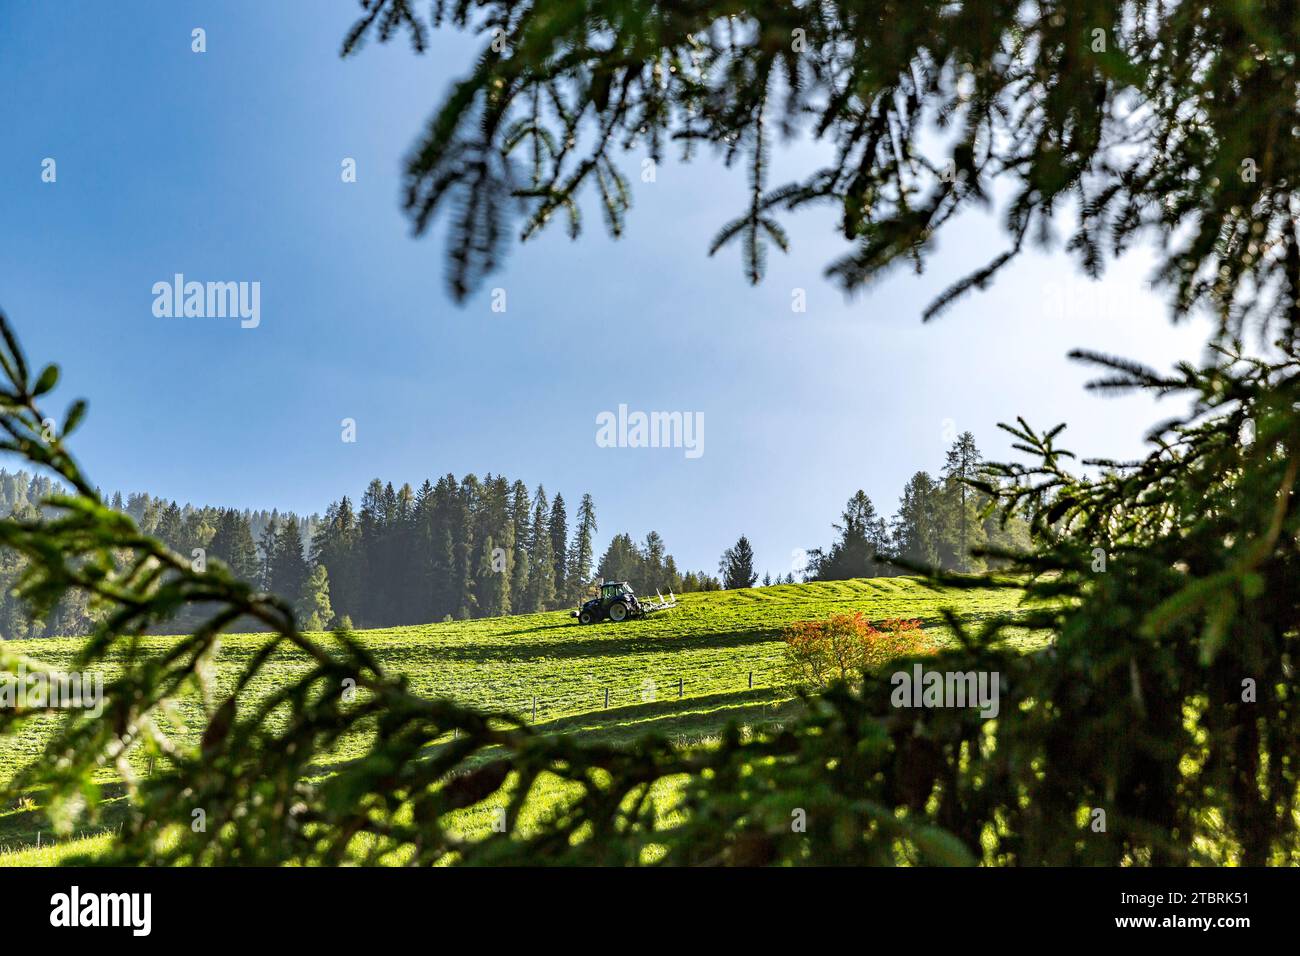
(455, 549)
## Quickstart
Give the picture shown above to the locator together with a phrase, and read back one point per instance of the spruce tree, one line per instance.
(313, 605)
(582, 551)
(862, 547)
(232, 542)
(672, 580)
(559, 529)
(336, 545)
(221, 545)
(621, 561)
(652, 557)
(421, 581)
(521, 517)
(737, 565)
(446, 497)
(493, 588)
(494, 547)
(373, 553)
(467, 500)
(268, 544)
(964, 531)
(404, 563)
(289, 571)
(171, 527)
(541, 562)
(196, 530)
(243, 551)
(916, 524)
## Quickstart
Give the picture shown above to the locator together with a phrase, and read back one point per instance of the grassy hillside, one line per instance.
(706, 650)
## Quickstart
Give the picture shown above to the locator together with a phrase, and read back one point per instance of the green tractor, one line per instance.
(618, 602)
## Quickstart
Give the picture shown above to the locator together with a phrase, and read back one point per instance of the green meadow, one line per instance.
(684, 673)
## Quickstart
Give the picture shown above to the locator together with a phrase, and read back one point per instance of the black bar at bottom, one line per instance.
(334, 906)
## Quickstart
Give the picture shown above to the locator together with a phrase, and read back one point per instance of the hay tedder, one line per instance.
(618, 602)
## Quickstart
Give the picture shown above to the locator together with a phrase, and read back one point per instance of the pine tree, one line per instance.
(267, 545)
(444, 582)
(243, 550)
(313, 604)
(737, 565)
(559, 529)
(232, 542)
(863, 543)
(422, 549)
(336, 545)
(963, 530)
(622, 561)
(494, 578)
(916, 525)
(289, 572)
(672, 579)
(463, 545)
(522, 529)
(171, 527)
(651, 577)
(372, 522)
(541, 584)
(403, 562)
(582, 551)
(197, 529)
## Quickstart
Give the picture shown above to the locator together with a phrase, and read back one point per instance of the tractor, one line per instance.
(618, 602)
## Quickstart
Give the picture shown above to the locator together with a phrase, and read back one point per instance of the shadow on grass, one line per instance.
(689, 718)
(686, 720)
(606, 640)
(25, 828)
(603, 640)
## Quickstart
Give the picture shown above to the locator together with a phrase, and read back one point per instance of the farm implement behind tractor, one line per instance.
(618, 602)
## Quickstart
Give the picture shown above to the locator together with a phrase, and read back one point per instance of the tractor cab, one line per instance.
(612, 589)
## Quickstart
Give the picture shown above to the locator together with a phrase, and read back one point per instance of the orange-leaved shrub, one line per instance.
(844, 646)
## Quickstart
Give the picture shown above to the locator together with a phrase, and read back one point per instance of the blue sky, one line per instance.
(226, 166)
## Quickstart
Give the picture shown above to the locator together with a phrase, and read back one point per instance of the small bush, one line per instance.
(844, 646)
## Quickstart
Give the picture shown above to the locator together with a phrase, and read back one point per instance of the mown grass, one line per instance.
(709, 649)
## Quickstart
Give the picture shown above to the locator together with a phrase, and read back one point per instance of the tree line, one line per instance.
(461, 549)
(184, 528)
(941, 524)
(450, 549)
(480, 547)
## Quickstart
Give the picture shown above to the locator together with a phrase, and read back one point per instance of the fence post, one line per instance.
(679, 688)
(535, 707)
(607, 698)
(751, 680)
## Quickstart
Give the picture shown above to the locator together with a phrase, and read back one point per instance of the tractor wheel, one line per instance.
(585, 617)
(618, 612)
